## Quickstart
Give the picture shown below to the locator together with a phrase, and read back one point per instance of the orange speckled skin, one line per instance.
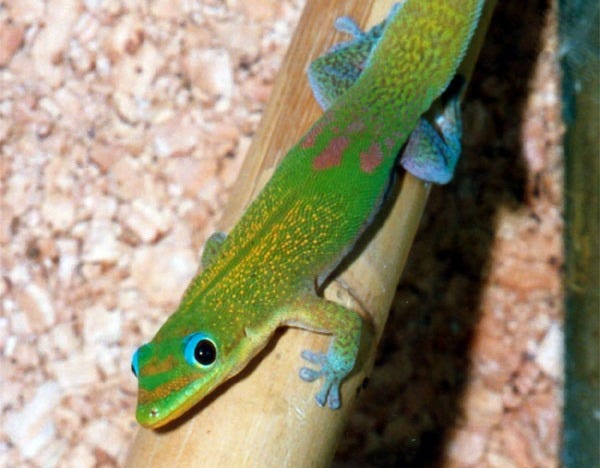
(308, 216)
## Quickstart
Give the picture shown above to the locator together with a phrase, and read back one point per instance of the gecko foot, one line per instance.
(330, 391)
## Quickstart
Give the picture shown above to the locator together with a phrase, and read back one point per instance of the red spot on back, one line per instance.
(332, 155)
(313, 133)
(370, 159)
(390, 143)
(356, 126)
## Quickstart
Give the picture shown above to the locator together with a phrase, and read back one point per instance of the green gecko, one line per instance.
(265, 273)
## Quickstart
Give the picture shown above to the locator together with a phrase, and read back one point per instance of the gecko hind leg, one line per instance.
(431, 154)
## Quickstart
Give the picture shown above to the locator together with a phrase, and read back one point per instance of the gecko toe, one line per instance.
(309, 375)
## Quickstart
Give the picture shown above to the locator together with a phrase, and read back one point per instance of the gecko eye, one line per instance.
(199, 350)
(135, 366)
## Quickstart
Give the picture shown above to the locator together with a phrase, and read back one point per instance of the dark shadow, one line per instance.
(415, 393)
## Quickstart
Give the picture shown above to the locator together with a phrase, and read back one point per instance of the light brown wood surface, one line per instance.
(267, 416)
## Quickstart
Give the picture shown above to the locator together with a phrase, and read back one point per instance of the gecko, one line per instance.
(265, 274)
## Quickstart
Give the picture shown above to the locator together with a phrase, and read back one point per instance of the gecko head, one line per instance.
(175, 373)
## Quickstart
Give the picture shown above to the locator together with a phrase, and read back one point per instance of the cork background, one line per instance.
(123, 123)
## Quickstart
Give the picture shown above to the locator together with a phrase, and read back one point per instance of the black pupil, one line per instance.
(205, 352)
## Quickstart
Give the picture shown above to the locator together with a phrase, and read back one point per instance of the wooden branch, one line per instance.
(267, 416)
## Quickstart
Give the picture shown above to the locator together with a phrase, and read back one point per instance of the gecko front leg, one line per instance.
(322, 316)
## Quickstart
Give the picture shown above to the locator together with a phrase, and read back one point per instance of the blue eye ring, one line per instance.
(135, 364)
(199, 350)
